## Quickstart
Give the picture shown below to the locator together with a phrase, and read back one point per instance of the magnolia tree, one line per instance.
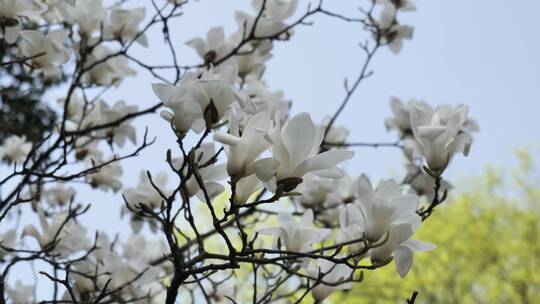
(255, 208)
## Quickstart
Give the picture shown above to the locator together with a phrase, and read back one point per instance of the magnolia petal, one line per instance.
(321, 161)
(298, 137)
(265, 168)
(403, 257)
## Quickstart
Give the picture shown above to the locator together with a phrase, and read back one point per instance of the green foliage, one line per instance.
(488, 238)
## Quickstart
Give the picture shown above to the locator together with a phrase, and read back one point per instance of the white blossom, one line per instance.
(89, 15)
(47, 52)
(214, 48)
(15, 149)
(437, 135)
(195, 96)
(59, 195)
(21, 293)
(296, 146)
(332, 275)
(106, 72)
(124, 25)
(107, 177)
(12, 11)
(62, 235)
(297, 236)
(244, 151)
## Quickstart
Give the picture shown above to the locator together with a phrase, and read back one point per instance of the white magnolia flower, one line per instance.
(336, 134)
(7, 239)
(276, 9)
(246, 187)
(251, 63)
(111, 71)
(326, 197)
(88, 14)
(145, 193)
(395, 33)
(125, 130)
(69, 236)
(21, 293)
(437, 135)
(271, 22)
(267, 26)
(296, 146)
(402, 115)
(383, 208)
(386, 217)
(190, 100)
(124, 24)
(75, 108)
(11, 11)
(59, 195)
(262, 99)
(210, 173)
(15, 149)
(107, 177)
(47, 52)
(332, 275)
(297, 236)
(244, 150)
(140, 250)
(119, 271)
(423, 184)
(400, 247)
(214, 48)
(402, 5)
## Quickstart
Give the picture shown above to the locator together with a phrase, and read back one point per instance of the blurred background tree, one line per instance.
(488, 242)
(23, 110)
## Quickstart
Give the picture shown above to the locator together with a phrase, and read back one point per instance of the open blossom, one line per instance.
(125, 130)
(65, 237)
(47, 52)
(336, 134)
(21, 293)
(335, 277)
(194, 101)
(296, 146)
(437, 135)
(11, 11)
(400, 247)
(111, 71)
(211, 173)
(297, 236)
(402, 115)
(263, 99)
(107, 177)
(15, 149)
(394, 33)
(59, 195)
(271, 22)
(145, 193)
(124, 25)
(423, 184)
(214, 48)
(326, 197)
(244, 151)
(386, 216)
(7, 239)
(89, 15)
